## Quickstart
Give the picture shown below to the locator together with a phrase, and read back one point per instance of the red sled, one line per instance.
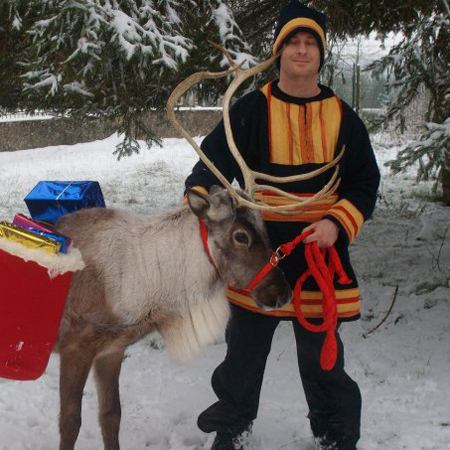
(31, 307)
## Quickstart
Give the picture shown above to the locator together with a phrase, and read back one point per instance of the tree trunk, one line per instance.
(446, 183)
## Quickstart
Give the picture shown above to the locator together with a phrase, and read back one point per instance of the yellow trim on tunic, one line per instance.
(312, 213)
(301, 134)
(348, 303)
(349, 216)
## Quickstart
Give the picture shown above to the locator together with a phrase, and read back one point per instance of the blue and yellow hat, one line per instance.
(295, 17)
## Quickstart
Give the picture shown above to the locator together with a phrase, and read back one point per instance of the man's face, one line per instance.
(300, 57)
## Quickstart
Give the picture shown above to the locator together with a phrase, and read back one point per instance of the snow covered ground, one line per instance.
(403, 368)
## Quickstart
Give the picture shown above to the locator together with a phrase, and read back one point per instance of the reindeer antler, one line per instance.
(249, 176)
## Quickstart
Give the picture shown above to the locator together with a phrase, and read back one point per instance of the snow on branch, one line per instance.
(231, 35)
(119, 59)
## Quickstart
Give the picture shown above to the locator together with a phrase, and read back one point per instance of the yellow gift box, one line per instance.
(28, 238)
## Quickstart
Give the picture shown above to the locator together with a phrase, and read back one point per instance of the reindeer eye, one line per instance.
(241, 238)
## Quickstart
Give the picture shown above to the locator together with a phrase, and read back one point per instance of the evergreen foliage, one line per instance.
(422, 60)
(346, 18)
(115, 59)
(213, 20)
(13, 42)
(99, 59)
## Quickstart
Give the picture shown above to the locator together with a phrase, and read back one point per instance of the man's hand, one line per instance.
(325, 232)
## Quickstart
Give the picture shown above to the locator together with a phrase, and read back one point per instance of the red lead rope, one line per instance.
(323, 275)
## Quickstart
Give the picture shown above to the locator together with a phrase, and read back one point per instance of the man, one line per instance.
(292, 126)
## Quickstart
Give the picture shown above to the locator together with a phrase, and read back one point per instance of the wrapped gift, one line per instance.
(50, 200)
(33, 290)
(38, 228)
(25, 222)
(64, 241)
(29, 239)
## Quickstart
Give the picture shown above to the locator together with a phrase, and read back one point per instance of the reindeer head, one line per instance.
(239, 245)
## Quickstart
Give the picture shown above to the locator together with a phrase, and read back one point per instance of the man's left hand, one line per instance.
(325, 232)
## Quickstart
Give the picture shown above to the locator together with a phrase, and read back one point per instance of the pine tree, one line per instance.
(422, 60)
(13, 42)
(346, 18)
(118, 59)
(213, 20)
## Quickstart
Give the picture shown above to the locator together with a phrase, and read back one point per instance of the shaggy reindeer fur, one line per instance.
(128, 257)
(148, 274)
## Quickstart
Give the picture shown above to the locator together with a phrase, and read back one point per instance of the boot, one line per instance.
(327, 443)
(323, 443)
(231, 439)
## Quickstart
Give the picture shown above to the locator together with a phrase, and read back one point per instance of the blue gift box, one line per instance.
(50, 200)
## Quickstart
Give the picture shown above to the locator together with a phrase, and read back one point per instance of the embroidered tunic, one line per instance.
(282, 136)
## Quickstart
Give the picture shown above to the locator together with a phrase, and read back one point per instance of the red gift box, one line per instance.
(23, 221)
(31, 307)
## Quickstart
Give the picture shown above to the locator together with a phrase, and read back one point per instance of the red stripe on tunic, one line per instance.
(290, 137)
(309, 136)
(315, 302)
(350, 217)
(301, 122)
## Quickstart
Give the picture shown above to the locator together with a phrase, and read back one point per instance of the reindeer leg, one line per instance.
(75, 364)
(107, 367)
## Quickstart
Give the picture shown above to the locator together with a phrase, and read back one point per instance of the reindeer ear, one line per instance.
(215, 189)
(198, 202)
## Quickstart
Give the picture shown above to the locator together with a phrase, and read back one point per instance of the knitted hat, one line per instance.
(296, 17)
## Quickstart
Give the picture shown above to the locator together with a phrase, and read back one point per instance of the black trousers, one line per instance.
(333, 398)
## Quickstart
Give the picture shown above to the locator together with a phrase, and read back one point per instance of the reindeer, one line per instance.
(146, 274)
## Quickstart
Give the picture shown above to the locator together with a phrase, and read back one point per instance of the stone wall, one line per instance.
(198, 122)
(27, 134)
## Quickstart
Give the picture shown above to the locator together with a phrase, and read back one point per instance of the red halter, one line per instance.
(204, 233)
